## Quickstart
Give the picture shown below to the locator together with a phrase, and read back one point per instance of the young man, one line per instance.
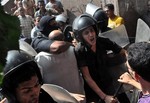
(22, 80)
(26, 23)
(42, 11)
(114, 20)
(42, 42)
(91, 55)
(139, 61)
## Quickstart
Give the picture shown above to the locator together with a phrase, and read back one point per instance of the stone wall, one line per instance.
(130, 10)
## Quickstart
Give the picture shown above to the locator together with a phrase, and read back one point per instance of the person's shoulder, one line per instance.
(28, 16)
(120, 18)
(38, 11)
(102, 39)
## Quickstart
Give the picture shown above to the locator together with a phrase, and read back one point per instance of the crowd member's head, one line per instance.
(139, 60)
(61, 20)
(47, 24)
(102, 19)
(21, 11)
(56, 35)
(41, 4)
(22, 79)
(37, 20)
(100, 15)
(85, 29)
(19, 4)
(109, 9)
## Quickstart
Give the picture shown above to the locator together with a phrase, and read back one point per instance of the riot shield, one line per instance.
(142, 31)
(91, 9)
(27, 48)
(59, 94)
(118, 35)
(3, 2)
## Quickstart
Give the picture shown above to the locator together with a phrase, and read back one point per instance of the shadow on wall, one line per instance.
(130, 15)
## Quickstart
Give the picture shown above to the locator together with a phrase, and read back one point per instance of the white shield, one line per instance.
(59, 94)
(27, 48)
(91, 9)
(142, 31)
(118, 35)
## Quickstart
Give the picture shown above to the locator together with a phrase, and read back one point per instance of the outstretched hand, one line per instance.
(125, 78)
(110, 99)
(3, 100)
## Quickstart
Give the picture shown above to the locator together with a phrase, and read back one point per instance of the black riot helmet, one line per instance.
(81, 23)
(98, 14)
(101, 18)
(20, 67)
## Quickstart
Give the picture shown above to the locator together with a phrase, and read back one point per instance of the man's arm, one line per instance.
(92, 84)
(59, 46)
(46, 45)
(127, 79)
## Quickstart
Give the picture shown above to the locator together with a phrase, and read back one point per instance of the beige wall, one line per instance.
(130, 10)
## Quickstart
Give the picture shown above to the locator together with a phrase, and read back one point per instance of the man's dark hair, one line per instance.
(139, 59)
(40, 1)
(110, 6)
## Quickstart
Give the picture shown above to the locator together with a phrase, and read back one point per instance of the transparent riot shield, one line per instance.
(59, 94)
(142, 31)
(27, 48)
(91, 9)
(118, 35)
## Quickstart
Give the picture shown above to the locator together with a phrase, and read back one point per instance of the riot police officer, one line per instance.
(91, 54)
(22, 80)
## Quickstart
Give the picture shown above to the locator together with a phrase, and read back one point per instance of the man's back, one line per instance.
(61, 69)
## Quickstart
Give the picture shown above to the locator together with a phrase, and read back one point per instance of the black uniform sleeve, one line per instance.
(108, 44)
(45, 97)
(80, 55)
(41, 44)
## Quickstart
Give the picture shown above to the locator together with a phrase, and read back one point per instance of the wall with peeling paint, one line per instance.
(130, 10)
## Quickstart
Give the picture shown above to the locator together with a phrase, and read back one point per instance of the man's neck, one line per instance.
(145, 87)
(113, 16)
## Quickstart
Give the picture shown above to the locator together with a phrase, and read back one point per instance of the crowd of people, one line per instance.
(71, 56)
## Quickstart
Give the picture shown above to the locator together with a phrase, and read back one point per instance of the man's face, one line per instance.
(41, 5)
(28, 91)
(89, 36)
(108, 11)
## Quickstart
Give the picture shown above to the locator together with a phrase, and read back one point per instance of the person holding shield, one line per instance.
(91, 53)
